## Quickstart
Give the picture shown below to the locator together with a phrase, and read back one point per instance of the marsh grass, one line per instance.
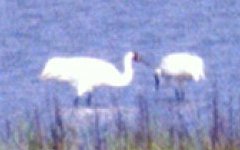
(145, 132)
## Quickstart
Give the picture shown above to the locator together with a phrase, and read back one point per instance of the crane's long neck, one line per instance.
(126, 76)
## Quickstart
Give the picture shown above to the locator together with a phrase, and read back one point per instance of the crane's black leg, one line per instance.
(177, 94)
(157, 82)
(76, 101)
(180, 94)
(89, 99)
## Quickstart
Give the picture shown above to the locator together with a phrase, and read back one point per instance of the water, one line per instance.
(33, 31)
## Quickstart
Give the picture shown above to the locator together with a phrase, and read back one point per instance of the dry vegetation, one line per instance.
(148, 131)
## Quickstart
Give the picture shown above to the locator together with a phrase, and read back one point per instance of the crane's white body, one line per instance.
(85, 73)
(181, 67)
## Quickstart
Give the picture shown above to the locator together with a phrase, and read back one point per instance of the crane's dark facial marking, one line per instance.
(136, 57)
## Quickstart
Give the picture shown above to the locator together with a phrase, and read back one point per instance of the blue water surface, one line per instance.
(32, 31)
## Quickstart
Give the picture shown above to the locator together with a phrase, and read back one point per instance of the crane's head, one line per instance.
(135, 56)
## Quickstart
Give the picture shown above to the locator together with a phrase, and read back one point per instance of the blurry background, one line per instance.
(32, 31)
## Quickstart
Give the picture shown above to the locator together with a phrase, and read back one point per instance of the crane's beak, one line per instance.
(141, 60)
(157, 81)
(145, 63)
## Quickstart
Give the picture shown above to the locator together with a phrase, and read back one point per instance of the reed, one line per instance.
(146, 131)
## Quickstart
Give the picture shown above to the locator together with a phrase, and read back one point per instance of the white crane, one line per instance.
(85, 73)
(180, 67)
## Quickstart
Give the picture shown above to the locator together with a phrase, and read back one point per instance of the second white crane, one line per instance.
(181, 67)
